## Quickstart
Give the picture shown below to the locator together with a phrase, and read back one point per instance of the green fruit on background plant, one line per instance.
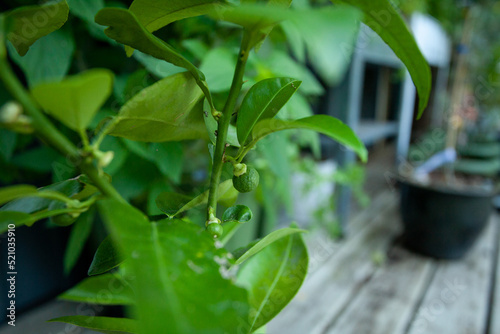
(247, 181)
(215, 230)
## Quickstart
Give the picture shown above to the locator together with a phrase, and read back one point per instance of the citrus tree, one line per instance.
(173, 275)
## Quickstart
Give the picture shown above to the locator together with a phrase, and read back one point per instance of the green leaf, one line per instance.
(106, 258)
(262, 101)
(33, 204)
(273, 277)
(173, 204)
(239, 213)
(176, 275)
(169, 110)
(39, 159)
(155, 14)
(107, 289)
(86, 10)
(266, 241)
(230, 228)
(80, 232)
(156, 66)
(76, 100)
(41, 66)
(382, 18)
(324, 124)
(8, 141)
(8, 194)
(126, 29)
(27, 24)
(13, 217)
(101, 324)
(218, 66)
(169, 159)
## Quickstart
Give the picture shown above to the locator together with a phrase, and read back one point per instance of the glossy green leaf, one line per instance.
(101, 324)
(27, 24)
(156, 66)
(273, 277)
(382, 18)
(266, 241)
(169, 110)
(8, 194)
(262, 101)
(324, 124)
(155, 14)
(41, 66)
(76, 100)
(173, 204)
(80, 232)
(13, 217)
(106, 257)
(107, 289)
(176, 275)
(239, 213)
(126, 29)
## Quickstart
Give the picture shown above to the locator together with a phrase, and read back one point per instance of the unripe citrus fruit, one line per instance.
(215, 230)
(246, 182)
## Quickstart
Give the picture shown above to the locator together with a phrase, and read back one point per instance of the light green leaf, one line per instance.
(382, 18)
(13, 217)
(230, 228)
(126, 29)
(328, 33)
(262, 101)
(169, 110)
(80, 232)
(76, 100)
(218, 66)
(27, 24)
(106, 258)
(155, 14)
(176, 276)
(173, 204)
(239, 213)
(156, 66)
(8, 194)
(273, 277)
(107, 289)
(101, 324)
(41, 66)
(324, 124)
(264, 242)
(33, 204)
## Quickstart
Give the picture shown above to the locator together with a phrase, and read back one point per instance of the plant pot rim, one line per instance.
(486, 191)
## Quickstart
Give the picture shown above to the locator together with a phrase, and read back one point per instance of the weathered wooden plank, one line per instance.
(321, 246)
(457, 298)
(495, 311)
(386, 303)
(337, 280)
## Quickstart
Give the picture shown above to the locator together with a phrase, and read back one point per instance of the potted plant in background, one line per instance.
(446, 202)
(173, 274)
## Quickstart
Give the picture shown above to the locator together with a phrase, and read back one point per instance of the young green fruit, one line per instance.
(246, 182)
(215, 230)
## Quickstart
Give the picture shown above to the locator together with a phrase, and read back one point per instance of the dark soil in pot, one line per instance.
(444, 221)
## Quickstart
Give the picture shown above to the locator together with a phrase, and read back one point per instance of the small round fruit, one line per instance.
(64, 219)
(246, 182)
(215, 230)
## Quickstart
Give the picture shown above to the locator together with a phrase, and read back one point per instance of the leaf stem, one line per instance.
(50, 134)
(224, 121)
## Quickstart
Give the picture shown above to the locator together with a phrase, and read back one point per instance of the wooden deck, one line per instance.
(368, 284)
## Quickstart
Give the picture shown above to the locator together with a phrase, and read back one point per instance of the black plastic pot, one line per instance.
(440, 222)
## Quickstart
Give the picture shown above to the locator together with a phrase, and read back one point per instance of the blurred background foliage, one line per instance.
(141, 171)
